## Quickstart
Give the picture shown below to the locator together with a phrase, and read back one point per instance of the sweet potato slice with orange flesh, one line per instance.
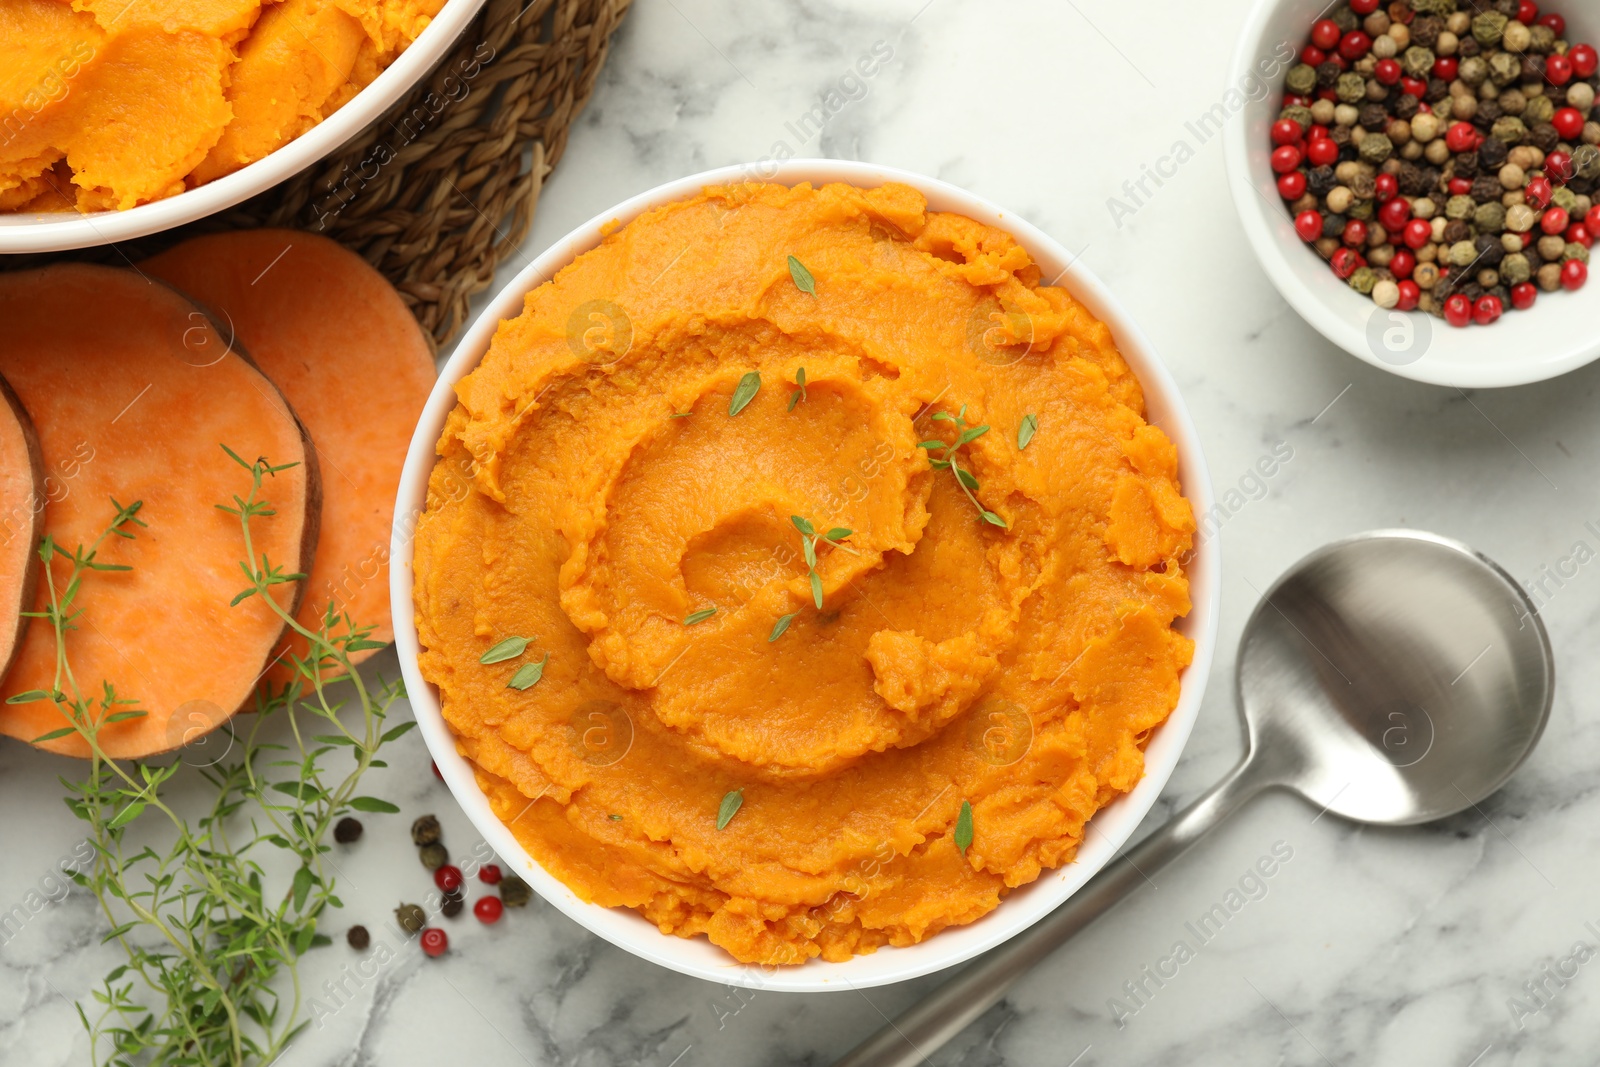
(22, 488)
(336, 338)
(133, 391)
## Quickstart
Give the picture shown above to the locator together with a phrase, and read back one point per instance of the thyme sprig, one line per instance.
(947, 459)
(808, 544)
(210, 973)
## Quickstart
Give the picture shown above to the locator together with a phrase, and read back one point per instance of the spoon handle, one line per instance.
(944, 1013)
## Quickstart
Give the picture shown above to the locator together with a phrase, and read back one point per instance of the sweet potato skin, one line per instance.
(22, 488)
(336, 338)
(128, 366)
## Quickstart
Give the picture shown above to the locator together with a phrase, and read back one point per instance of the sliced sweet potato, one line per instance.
(22, 489)
(336, 338)
(133, 391)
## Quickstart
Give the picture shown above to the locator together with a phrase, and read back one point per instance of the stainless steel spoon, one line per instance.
(1391, 678)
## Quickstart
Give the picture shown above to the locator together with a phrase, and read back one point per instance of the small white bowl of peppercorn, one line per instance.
(1423, 186)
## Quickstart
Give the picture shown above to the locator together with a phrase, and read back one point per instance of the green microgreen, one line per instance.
(803, 280)
(808, 545)
(1025, 432)
(528, 675)
(963, 834)
(800, 393)
(698, 616)
(744, 392)
(731, 803)
(948, 460)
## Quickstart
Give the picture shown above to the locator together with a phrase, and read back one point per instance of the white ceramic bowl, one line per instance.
(1558, 335)
(1022, 908)
(54, 231)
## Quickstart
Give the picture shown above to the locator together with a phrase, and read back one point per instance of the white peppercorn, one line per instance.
(1423, 207)
(1511, 242)
(1426, 275)
(1447, 44)
(1384, 46)
(1386, 294)
(1424, 127)
(1437, 153)
(1400, 34)
(1512, 176)
(1551, 248)
(1516, 37)
(1428, 253)
(1580, 95)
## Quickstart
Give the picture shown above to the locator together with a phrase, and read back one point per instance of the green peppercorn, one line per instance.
(1418, 61)
(1460, 207)
(433, 856)
(1302, 79)
(1514, 269)
(425, 831)
(1441, 8)
(1299, 114)
(411, 918)
(1504, 68)
(1489, 27)
(1490, 218)
(1509, 129)
(1564, 198)
(1462, 254)
(1361, 209)
(1363, 280)
(1473, 71)
(1542, 39)
(1539, 109)
(1376, 147)
(514, 892)
(1351, 87)
(1575, 251)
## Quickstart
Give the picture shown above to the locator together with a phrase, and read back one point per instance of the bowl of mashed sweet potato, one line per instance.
(120, 118)
(791, 562)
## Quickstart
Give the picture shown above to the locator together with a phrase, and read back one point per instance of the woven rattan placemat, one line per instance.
(445, 185)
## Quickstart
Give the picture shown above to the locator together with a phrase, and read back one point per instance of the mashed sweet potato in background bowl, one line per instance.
(561, 482)
(135, 100)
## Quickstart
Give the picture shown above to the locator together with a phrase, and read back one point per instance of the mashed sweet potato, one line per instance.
(105, 104)
(593, 492)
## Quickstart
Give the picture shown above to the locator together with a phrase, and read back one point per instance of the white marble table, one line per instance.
(1405, 947)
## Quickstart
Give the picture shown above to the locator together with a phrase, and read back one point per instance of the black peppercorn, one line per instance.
(1467, 164)
(1491, 157)
(1486, 189)
(1438, 89)
(1339, 135)
(1406, 107)
(1432, 179)
(358, 938)
(1332, 225)
(425, 831)
(1491, 252)
(1471, 290)
(1532, 69)
(452, 904)
(1456, 230)
(1468, 48)
(347, 830)
(1328, 74)
(1410, 179)
(1508, 8)
(1581, 186)
(1503, 294)
(1487, 115)
(1543, 136)
(1425, 30)
(1321, 181)
(1374, 117)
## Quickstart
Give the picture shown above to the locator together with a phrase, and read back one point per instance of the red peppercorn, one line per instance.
(1458, 310)
(1460, 187)
(1418, 233)
(1322, 152)
(1585, 60)
(1568, 123)
(436, 773)
(1344, 263)
(1591, 221)
(1554, 221)
(1414, 87)
(1425, 108)
(1385, 187)
(1579, 233)
(1355, 233)
(1328, 94)
(1292, 186)
(1286, 131)
(1573, 274)
(1354, 45)
(1527, 12)
(1308, 224)
(1317, 132)
(488, 909)
(1558, 165)
(489, 874)
(1524, 295)
(1538, 193)
(1461, 138)
(1558, 69)
(1487, 310)
(1395, 213)
(1285, 159)
(1556, 23)
(1313, 56)
(1325, 34)
(1338, 60)
(448, 878)
(1445, 67)
(1403, 263)
(1410, 296)
(435, 942)
(1387, 72)
(1364, 7)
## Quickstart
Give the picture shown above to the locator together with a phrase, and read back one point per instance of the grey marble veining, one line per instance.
(1416, 947)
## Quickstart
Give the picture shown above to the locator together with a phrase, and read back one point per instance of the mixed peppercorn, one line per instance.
(1441, 154)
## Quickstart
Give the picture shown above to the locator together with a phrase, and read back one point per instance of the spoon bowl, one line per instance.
(1394, 678)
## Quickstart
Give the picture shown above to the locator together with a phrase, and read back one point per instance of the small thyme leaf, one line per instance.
(731, 802)
(27, 697)
(816, 589)
(528, 675)
(698, 616)
(963, 834)
(803, 525)
(943, 416)
(746, 391)
(993, 519)
(794, 398)
(838, 533)
(810, 549)
(800, 393)
(778, 627)
(803, 280)
(53, 735)
(373, 804)
(614, 818)
(1025, 432)
(971, 435)
(510, 648)
(967, 479)
(680, 414)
